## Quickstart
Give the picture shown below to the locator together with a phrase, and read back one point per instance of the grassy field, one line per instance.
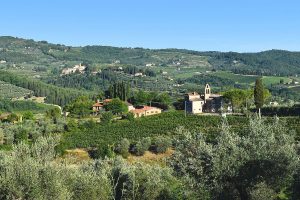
(268, 80)
(250, 79)
(237, 78)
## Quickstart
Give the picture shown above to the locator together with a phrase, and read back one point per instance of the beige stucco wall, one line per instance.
(197, 107)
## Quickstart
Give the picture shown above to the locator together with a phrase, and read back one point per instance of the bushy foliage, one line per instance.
(238, 97)
(116, 106)
(32, 173)
(81, 106)
(30, 131)
(13, 117)
(106, 117)
(162, 143)
(161, 100)
(142, 145)
(130, 116)
(262, 191)
(28, 115)
(122, 147)
(54, 113)
(233, 166)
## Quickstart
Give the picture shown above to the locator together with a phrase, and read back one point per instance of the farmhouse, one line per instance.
(145, 111)
(208, 102)
(98, 106)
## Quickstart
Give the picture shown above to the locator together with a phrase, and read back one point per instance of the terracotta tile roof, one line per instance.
(143, 109)
(98, 105)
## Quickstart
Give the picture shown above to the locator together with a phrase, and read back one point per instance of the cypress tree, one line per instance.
(259, 94)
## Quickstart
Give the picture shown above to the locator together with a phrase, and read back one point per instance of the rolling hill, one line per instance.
(31, 53)
(42, 63)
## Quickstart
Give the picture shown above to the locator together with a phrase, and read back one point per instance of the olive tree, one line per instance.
(234, 164)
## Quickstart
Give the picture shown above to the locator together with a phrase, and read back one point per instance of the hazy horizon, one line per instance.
(195, 25)
(146, 47)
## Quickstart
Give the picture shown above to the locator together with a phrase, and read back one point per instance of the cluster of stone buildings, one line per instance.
(138, 111)
(77, 68)
(195, 103)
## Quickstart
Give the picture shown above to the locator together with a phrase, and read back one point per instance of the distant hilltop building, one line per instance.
(77, 68)
(138, 74)
(207, 102)
(150, 64)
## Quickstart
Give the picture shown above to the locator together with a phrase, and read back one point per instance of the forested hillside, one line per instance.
(273, 62)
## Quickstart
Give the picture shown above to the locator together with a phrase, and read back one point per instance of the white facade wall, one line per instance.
(197, 107)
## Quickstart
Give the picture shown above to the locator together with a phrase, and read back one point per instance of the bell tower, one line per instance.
(207, 92)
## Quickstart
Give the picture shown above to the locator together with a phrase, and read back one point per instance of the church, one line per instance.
(203, 103)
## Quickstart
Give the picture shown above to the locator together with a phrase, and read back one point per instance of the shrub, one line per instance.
(90, 124)
(142, 146)
(123, 147)
(106, 117)
(71, 125)
(12, 118)
(28, 115)
(261, 191)
(21, 135)
(130, 116)
(101, 151)
(162, 144)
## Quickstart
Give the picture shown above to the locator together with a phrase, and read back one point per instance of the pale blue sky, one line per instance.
(223, 25)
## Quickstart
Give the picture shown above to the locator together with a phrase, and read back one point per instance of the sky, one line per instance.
(204, 25)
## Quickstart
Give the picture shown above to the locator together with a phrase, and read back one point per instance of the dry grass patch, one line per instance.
(151, 158)
(75, 156)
